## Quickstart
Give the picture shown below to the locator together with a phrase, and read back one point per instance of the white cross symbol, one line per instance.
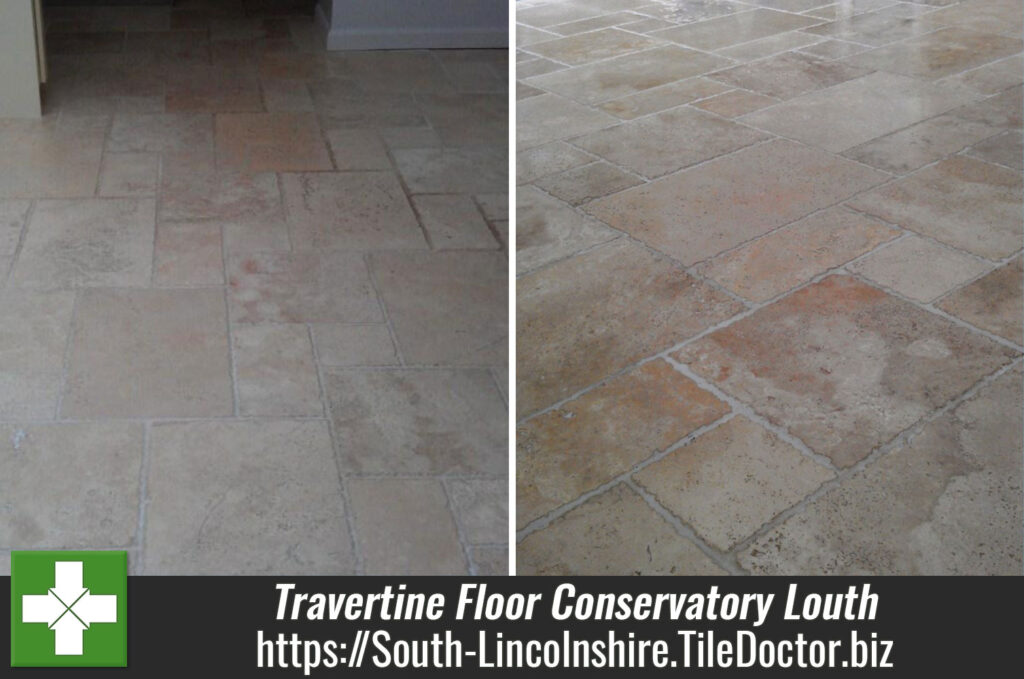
(68, 608)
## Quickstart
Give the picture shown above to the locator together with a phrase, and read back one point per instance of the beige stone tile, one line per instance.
(250, 498)
(148, 353)
(590, 440)
(446, 308)
(32, 348)
(549, 117)
(409, 137)
(661, 98)
(834, 49)
(70, 485)
(87, 242)
(629, 74)
(539, 161)
(481, 509)
(349, 211)
(525, 35)
(994, 16)
(129, 174)
(780, 261)
(874, 28)
(49, 158)
(735, 28)
(844, 366)
(857, 111)
(765, 47)
(1005, 149)
(292, 66)
(646, 25)
(468, 119)
(524, 91)
(554, 13)
(358, 150)
(188, 254)
(588, 317)
(992, 303)
(405, 527)
(488, 560)
(994, 77)
(286, 96)
(690, 11)
(398, 71)
(493, 205)
(584, 184)
(454, 222)
(789, 75)
(161, 132)
(951, 496)
(731, 480)
(274, 370)
(354, 344)
(226, 93)
(939, 54)
(1002, 110)
(341, 105)
(964, 202)
(306, 287)
(12, 220)
(271, 142)
(735, 103)
(919, 268)
(696, 214)
(481, 169)
(528, 69)
(594, 23)
(615, 533)
(593, 46)
(668, 141)
(548, 229)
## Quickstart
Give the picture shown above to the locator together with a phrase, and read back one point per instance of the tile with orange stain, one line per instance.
(271, 142)
(992, 303)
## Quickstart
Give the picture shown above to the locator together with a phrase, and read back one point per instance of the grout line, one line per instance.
(140, 536)
(459, 532)
(20, 245)
(371, 274)
(66, 364)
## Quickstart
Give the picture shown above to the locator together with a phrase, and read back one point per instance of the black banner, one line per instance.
(602, 626)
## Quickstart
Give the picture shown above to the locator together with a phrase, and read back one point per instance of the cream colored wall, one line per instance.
(19, 65)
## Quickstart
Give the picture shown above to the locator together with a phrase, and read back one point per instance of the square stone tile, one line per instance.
(482, 169)
(87, 242)
(668, 141)
(919, 268)
(951, 496)
(615, 533)
(274, 370)
(730, 481)
(548, 229)
(661, 98)
(149, 353)
(844, 366)
(271, 142)
(593, 46)
(696, 214)
(628, 74)
(446, 308)
(349, 211)
(188, 254)
(32, 349)
(354, 344)
(69, 486)
(991, 303)
(161, 132)
(584, 184)
(784, 259)
(481, 509)
(588, 317)
(129, 174)
(301, 287)
(454, 222)
(250, 498)
(549, 117)
(939, 54)
(590, 440)
(789, 75)
(13, 214)
(358, 150)
(487, 560)
(735, 28)
(1004, 149)
(50, 158)
(405, 527)
(964, 202)
(735, 103)
(857, 111)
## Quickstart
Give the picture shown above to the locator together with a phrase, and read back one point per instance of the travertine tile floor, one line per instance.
(253, 312)
(769, 286)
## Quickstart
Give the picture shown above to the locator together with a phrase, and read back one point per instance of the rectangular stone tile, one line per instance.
(349, 211)
(961, 201)
(468, 119)
(539, 161)
(735, 103)
(271, 142)
(789, 75)
(68, 486)
(301, 287)
(282, 96)
(524, 91)
(730, 481)
(994, 77)
(784, 259)
(538, 66)
(417, 421)
(851, 113)
(588, 317)
(939, 54)
(664, 97)
(844, 366)
(358, 150)
(590, 440)
(593, 46)
(548, 229)
(252, 498)
(446, 308)
(553, 13)
(405, 527)
(615, 533)
(735, 28)
(991, 16)
(668, 141)
(1002, 111)
(481, 509)
(548, 118)
(50, 158)
(215, 93)
(296, 65)
(628, 74)
(32, 345)
(991, 303)
(454, 170)
(593, 23)
(274, 370)
(689, 11)
(1004, 149)
(454, 222)
(149, 353)
(161, 132)
(834, 49)
(129, 174)
(87, 242)
(952, 503)
(493, 205)
(584, 184)
(874, 28)
(349, 344)
(696, 214)
(526, 35)
(342, 105)
(188, 254)
(765, 47)
(919, 268)
(12, 220)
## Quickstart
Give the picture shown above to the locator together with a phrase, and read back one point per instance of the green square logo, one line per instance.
(69, 609)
